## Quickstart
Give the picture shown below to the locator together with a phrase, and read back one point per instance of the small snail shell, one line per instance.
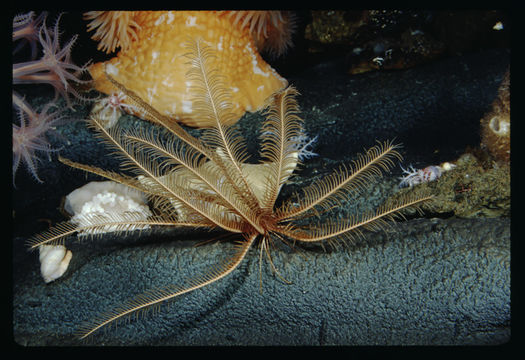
(54, 260)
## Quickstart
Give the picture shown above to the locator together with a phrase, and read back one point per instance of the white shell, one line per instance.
(54, 260)
(106, 199)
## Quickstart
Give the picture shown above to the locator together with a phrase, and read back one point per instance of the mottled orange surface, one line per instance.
(154, 65)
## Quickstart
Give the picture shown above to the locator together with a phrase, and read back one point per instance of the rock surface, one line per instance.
(430, 281)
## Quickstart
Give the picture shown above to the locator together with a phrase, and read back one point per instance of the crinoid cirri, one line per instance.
(206, 181)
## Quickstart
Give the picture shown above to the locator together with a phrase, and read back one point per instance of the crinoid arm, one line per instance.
(221, 145)
(96, 225)
(165, 121)
(155, 297)
(348, 228)
(211, 101)
(279, 133)
(154, 173)
(327, 193)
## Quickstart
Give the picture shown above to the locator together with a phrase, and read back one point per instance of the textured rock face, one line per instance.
(428, 282)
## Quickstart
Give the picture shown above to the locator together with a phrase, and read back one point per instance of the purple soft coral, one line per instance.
(29, 136)
(53, 68)
(26, 28)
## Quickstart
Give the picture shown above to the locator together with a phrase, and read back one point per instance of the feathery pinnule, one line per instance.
(207, 182)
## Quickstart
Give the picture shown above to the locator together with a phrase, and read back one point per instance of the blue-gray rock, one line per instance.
(429, 282)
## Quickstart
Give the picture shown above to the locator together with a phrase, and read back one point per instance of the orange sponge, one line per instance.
(152, 60)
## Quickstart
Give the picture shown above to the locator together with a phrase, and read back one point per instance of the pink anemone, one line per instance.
(54, 68)
(29, 136)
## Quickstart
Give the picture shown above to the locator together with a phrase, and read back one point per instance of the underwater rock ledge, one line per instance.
(428, 282)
